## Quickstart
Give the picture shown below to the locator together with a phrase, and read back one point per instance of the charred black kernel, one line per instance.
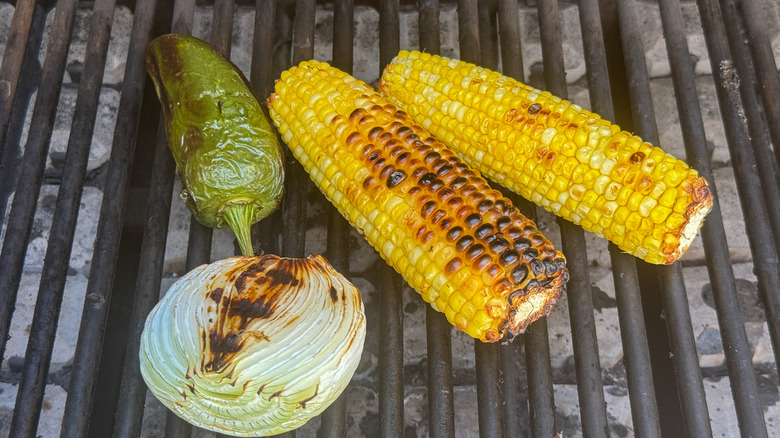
(458, 182)
(374, 156)
(445, 224)
(396, 178)
(491, 237)
(519, 273)
(499, 245)
(529, 229)
(454, 233)
(521, 244)
(484, 205)
(437, 216)
(560, 263)
(374, 133)
(483, 231)
(464, 242)
(475, 251)
(508, 257)
(427, 208)
(473, 220)
(537, 267)
(431, 157)
(503, 222)
(482, 262)
(427, 178)
(550, 266)
(453, 266)
(530, 254)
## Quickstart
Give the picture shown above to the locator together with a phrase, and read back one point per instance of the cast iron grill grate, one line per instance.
(664, 378)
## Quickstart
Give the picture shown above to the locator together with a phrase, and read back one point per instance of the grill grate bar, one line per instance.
(333, 422)
(538, 370)
(765, 67)
(473, 25)
(441, 410)
(757, 128)
(90, 341)
(391, 285)
(513, 370)
(742, 160)
(52, 283)
(675, 303)
(32, 166)
(735, 343)
(13, 59)
(636, 355)
(586, 354)
(758, 138)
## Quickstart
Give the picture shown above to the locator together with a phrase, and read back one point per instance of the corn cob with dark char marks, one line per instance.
(463, 246)
(554, 153)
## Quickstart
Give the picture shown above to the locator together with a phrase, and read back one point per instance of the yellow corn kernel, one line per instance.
(406, 193)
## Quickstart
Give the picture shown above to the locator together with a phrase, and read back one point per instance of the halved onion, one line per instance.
(254, 346)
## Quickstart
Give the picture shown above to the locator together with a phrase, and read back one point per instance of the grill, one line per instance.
(662, 367)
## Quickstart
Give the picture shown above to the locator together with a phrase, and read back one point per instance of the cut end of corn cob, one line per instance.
(554, 153)
(462, 245)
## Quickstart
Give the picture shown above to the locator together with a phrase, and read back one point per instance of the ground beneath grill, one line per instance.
(363, 396)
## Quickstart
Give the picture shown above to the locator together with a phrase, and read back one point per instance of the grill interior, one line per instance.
(93, 231)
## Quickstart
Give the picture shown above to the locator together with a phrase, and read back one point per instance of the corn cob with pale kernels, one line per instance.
(463, 246)
(554, 153)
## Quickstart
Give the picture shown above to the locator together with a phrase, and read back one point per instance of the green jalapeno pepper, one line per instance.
(227, 154)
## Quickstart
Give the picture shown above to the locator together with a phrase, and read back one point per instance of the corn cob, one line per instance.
(554, 153)
(463, 246)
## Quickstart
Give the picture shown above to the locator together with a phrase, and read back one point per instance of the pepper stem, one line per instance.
(240, 218)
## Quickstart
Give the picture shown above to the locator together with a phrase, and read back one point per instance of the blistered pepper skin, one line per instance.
(226, 151)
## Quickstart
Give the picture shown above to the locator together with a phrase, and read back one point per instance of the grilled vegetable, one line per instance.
(253, 346)
(463, 246)
(227, 154)
(554, 153)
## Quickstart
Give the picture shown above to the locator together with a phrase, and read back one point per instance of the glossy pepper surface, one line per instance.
(227, 154)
